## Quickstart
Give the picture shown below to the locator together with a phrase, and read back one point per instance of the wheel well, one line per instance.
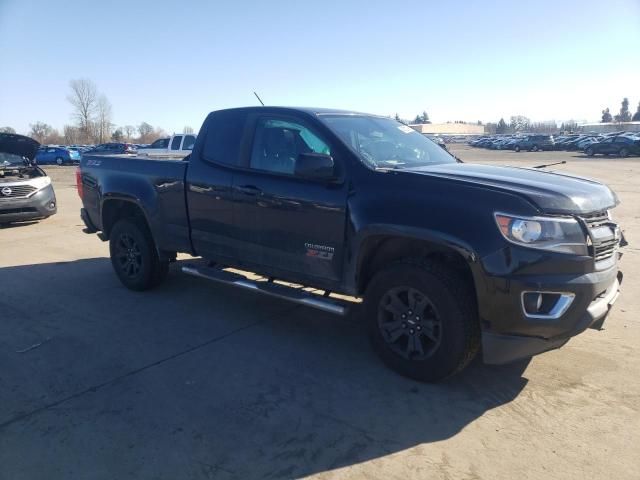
(114, 210)
(380, 251)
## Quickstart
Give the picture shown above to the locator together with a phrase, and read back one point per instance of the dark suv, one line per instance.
(534, 143)
(620, 145)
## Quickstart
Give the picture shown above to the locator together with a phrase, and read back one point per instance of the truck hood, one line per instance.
(18, 145)
(551, 192)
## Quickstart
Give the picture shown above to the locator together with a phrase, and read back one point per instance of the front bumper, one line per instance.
(508, 332)
(504, 348)
(41, 204)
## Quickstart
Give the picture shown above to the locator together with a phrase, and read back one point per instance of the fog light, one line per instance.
(546, 305)
(52, 205)
(532, 302)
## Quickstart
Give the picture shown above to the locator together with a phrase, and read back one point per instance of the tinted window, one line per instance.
(175, 143)
(277, 144)
(189, 142)
(224, 135)
(160, 143)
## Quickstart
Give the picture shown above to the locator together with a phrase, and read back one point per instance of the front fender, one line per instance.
(437, 240)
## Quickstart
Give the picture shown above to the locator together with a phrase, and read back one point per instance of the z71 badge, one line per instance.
(322, 252)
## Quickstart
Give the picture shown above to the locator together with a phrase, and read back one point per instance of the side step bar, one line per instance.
(295, 295)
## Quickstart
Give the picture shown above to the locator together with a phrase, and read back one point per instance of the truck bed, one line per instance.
(156, 186)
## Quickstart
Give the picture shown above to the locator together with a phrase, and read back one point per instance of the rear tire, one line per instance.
(59, 161)
(517, 148)
(589, 151)
(623, 153)
(534, 148)
(422, 319)
(134, 256)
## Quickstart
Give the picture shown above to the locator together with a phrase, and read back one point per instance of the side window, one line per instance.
(175, 143)
(189, 142)
(277, 144)
(224, 136)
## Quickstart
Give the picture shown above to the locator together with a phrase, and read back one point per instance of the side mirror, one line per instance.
(314, 166)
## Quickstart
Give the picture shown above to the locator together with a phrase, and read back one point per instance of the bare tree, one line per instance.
(84, 99)
(7, 130)
(129, 131)
(117, 135)
(103, 119)
(40, 131)
(53, 138)
(187, 129)
(146, 132)
(71, 134)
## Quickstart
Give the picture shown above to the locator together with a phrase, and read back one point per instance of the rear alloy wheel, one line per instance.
(589, 151)
(422, 319)
(59, 161)
(623, 153)
(134, 256)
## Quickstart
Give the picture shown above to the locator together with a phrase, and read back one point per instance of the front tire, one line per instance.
(623, 153)
(134, 256)
(517, 149)
(590, 152)
(422, 319)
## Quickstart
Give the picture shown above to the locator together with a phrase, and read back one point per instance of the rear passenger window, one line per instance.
(224, 135)
(175, 143)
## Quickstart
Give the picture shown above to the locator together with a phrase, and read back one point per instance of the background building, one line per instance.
(610, 127)
(449, 128)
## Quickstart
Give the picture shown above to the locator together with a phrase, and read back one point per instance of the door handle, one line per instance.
(249, 190)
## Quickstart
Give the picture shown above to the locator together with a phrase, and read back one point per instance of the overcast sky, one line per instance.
(169, 63)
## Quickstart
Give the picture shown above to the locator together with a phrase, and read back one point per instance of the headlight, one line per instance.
(563, 235)
(40, 182)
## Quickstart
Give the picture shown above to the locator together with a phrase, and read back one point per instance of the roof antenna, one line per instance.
(259, 99)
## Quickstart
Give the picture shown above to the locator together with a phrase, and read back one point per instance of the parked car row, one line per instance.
(622, 144)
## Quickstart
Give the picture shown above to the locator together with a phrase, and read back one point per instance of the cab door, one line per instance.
(287, 223)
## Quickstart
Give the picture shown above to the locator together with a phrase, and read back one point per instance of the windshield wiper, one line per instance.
(550, 164)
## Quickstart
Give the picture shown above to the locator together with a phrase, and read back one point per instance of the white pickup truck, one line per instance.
(178, 145)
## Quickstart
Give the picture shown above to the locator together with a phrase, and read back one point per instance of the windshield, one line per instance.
(385, 143)
(9, 160)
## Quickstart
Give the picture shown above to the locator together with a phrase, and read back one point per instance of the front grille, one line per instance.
(16, 191)
(12, 211)
(606, 248)
(594, 220)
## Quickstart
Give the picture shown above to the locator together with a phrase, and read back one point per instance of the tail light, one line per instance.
(79, 182)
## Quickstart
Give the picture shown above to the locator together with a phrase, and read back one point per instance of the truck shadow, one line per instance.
(207, 380)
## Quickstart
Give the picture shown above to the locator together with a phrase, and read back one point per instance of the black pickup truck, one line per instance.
(449, 258)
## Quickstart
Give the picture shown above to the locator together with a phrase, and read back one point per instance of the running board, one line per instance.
(295, 295)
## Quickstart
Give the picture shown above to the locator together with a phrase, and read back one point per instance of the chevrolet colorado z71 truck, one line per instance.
(26, 192)
(450, 258)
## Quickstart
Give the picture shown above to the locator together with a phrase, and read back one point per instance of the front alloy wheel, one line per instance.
(409, 323)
